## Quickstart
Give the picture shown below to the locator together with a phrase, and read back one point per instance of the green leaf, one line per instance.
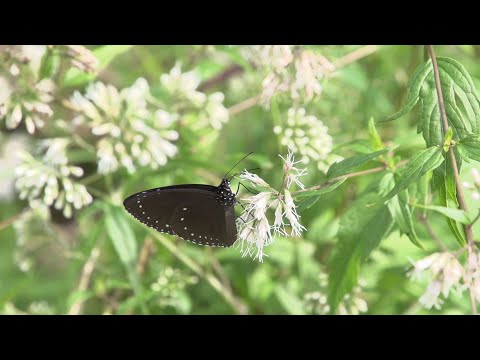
(423, 162)
(414, 87)
(290, 302)
(462, 102)
(407, 108)
(375, 139)
(312, 196)
(105, 55)
(361, 229)
(455, 214)
(448, 139)
(345, 166)
(399, 209)
(469, 148)
(439, 182)
(123, 240)
(121, 235)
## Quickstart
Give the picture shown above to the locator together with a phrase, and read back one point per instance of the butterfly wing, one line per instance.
(191, 212)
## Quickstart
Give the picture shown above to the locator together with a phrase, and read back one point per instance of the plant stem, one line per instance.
(6, 223)
(244, 105)
(85, 278)
(353, 174)
(236, 303)
(146, 253)
(460, 196)
(423, 219)
(354, 56)
(476, 218)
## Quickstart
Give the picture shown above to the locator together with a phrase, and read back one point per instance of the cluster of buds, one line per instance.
(307, 136)
(129, 133)
(51, 179)
(315, 302)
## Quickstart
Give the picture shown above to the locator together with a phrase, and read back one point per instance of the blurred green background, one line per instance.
(50, 264)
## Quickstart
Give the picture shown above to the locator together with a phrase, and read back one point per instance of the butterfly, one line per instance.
(202, 214)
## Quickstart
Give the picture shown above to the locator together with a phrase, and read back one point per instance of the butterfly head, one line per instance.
(225, 196)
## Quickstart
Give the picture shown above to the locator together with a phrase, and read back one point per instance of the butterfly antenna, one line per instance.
(238, 163)
(231, 177)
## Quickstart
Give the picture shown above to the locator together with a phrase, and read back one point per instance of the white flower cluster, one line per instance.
(308, 136)
(446, 274)
(35, 308)
(472, 275)
(33, 234)
(291, 69)
(315, 302)
(23, 96)
(130, 134)
(50, 179)
(10, 149)
(169, 285)
(81, 58)
(254, 229)
(182, 87)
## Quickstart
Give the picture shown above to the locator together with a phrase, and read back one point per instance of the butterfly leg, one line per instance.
(238, 188)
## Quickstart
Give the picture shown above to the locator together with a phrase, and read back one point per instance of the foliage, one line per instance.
(371, 218)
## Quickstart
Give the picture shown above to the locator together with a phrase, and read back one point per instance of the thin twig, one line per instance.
(244, 105)
(355, 55)
(236, 303)
(353, 174)
(476, 218)
(219, 270)
(460, 196)
(146, 252)
(423, 219)
(6, 223)
(85, 278)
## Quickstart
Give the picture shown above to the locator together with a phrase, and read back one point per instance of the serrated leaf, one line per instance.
(462, 102)
(406, 109)
(104, 54)
(438, 180)
(423, 162)
(361, 229)
(414, 87)
(399, 209)
(375, 139)
(454, 214)
(121, 235)
(290, 302)
(469, 148)
(345, 166)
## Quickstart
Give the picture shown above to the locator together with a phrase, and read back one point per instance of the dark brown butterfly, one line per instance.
(202, 214)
